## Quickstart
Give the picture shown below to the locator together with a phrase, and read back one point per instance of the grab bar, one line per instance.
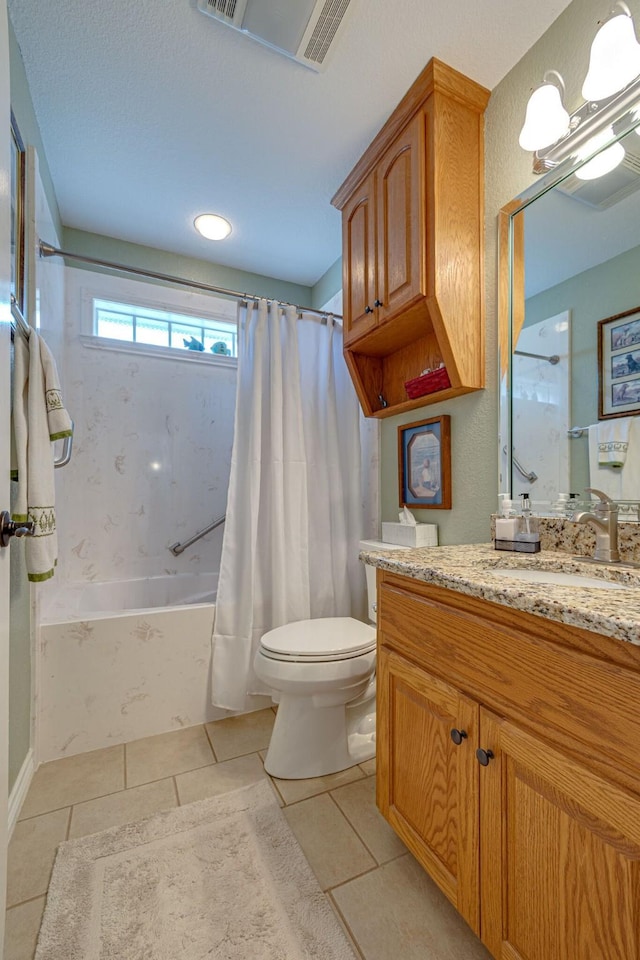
(67, 446)
(178, 548)
(553, 359)
(528, 475)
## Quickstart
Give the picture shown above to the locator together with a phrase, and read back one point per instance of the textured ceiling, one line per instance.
(151, 113)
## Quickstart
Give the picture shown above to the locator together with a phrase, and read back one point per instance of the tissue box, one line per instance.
(408, 535)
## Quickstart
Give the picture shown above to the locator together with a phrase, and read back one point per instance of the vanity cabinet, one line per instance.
(412, 229)
(509, 763)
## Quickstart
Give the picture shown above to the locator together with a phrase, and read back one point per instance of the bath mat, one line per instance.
(219, 879)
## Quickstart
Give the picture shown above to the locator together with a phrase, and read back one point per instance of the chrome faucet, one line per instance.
(605, 520)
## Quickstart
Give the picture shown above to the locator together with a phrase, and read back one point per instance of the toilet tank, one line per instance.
(371, 572)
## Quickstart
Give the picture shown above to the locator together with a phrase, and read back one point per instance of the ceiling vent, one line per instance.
(303, 30)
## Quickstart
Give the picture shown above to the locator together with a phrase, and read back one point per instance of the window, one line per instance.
(161, 328)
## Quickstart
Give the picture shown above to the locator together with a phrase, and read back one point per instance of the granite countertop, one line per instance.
(467, 569)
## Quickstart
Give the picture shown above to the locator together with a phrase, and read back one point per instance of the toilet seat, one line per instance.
(319, 641)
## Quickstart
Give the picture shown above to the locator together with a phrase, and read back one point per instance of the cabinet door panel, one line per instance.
(359, 267)
(400, 206)
(428, 786)
(560, 854)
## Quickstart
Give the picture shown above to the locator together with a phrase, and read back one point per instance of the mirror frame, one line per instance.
(511, 298)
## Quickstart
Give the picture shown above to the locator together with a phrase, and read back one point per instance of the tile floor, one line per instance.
(385, 900)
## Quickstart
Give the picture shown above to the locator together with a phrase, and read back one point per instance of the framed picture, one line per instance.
(17, 214)
(619, 365)
(424, 463)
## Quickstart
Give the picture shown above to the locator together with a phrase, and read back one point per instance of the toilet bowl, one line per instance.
(323, 675)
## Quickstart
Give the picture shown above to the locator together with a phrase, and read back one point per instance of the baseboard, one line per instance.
(20, 788)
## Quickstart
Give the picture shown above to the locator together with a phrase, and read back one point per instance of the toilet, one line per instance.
(323, 675)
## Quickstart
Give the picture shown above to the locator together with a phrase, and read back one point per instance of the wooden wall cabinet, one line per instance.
(412, 230)
(508, 763)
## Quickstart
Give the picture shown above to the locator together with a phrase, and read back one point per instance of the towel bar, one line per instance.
(67, 446)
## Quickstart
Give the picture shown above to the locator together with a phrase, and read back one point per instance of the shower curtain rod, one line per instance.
(46, 250)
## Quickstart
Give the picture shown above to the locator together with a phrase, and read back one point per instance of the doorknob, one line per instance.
(13, 528)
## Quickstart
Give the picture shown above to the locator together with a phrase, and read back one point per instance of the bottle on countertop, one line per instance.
(528, 531)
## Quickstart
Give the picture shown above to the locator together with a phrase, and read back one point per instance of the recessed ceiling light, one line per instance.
(211, 226)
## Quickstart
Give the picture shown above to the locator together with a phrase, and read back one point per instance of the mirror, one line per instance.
(570, 333)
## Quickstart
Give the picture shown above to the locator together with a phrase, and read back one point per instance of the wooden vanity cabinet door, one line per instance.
(400, 193)
(560, 860)
(359, 261)
(427, 786)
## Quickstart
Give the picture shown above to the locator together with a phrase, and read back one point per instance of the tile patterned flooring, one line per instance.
(386, 902)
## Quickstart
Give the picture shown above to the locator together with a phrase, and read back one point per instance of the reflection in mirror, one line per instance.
(570, 418)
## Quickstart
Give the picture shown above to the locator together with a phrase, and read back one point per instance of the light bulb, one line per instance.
(546, 120)
(603, 162)
(212, 226)
(614, 60)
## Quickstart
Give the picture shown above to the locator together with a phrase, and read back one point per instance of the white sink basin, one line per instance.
(557, 577)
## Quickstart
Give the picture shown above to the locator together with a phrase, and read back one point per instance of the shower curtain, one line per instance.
(294, 505)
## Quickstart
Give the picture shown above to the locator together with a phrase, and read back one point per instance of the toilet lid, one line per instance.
(330, 638)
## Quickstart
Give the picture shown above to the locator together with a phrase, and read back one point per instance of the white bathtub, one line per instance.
(109, 598)
(123, 660)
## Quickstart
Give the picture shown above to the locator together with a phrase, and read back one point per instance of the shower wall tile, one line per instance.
(152, 448)
(122, 678)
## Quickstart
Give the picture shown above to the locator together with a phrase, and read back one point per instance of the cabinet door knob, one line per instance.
(483, 756)
(378, 303)
(368, 309)
(458, 736)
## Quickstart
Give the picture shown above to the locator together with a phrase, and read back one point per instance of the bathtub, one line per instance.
(110, 598)
(122, 660)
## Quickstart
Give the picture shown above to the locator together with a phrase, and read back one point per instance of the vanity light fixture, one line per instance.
(615, 56)
(547, 120)
(611, 88)
(212, 226)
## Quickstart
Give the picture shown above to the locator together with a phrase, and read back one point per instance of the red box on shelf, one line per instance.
(428, 383)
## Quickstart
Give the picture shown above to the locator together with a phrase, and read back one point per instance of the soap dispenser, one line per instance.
(527, 538)
(506, 525)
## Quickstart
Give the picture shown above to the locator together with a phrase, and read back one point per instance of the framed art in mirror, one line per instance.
(619, 365)
(424, 463)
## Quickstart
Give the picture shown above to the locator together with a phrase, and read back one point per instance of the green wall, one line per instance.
(161, 261)
(328, 285)
(603, 291)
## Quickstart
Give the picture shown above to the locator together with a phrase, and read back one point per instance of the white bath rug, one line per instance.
(219, 879)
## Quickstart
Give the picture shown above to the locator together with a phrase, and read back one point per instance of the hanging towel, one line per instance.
(613, 441)
(630, 486)
(623, 483)
(38, 418)
(602, 477)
